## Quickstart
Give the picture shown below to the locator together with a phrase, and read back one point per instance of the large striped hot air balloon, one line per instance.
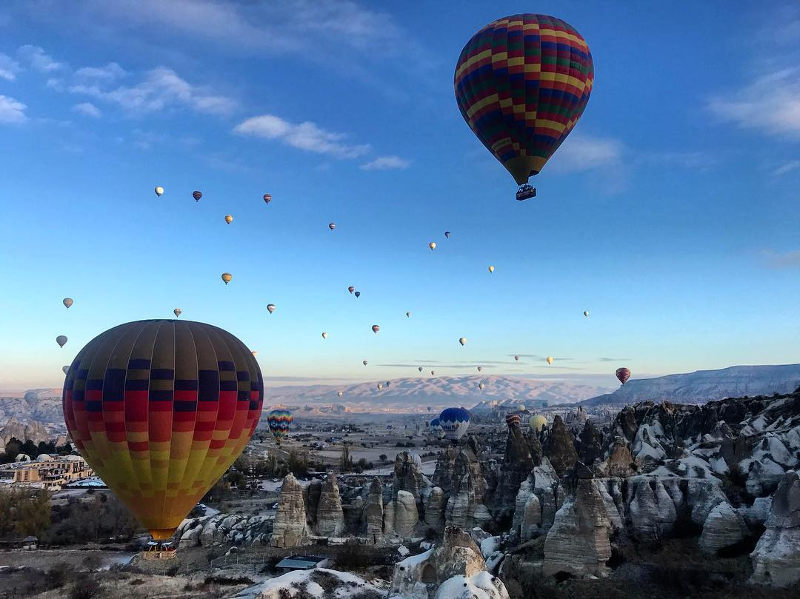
(280, 422)
(160, 409)
(436, 427)
(455, 422)
(521, 83)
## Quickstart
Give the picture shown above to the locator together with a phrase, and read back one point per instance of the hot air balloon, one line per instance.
(623, 374)
(364, 362)
(197, 195)
(280, 422)
(491, 269)
(160, 409)
(516, 358)
(267, 198)
(481, 386)
(375, 328)
(537, 422)
(408, 314)
(521, 83)
(586, 313)
(159, 191)
(512, 420)
(351, 289)
(429, 409)
(433, 373)
(177, 312)
(358, 294)
(324, 335)
(228, 218)
(331, 226)
(68, 302)
(549, 360)
(455, 422)
(340, 394)
(462, 340)
(380, 386)
(432, 245)
(480, 368)
(61, 340)
(447, 234)
(65, 369)
(270, 308)
(436, 427)
(254, 352)
(226, 277)
(420, 368)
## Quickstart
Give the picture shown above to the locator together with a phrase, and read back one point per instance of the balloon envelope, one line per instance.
(358, 294)
(280, 423)
(177, 312)
(432, 245)
(65, 369)
(267, 198)
(61, 340)
(324, 335)
(455, 422)
(537, 422)
(197, 195)
(160, 409)
(521, 83)
(623, 374)
(375, 328)
(364, 362)
(586, 313)
(462, 340)
(512, 420)
(447, 234)
(549, 360)
(491, 269)
(270, 308)
(351, 289)
(68, 302)
(159, 190)
(332, 226)
(228, 218)
(419, 368)
(226, 277)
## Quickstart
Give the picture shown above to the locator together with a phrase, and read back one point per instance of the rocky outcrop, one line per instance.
(408, 476)
(434, 509)
(406, 515)
(724, 527)
(223, 528)
(560, 447)
(620, 463)
(652, 510)
(445, 465)
(290, 529)
(578, 542)
(373, 511)
(517, 465)
(330, 517)
(547, 487)
(776, 558)
(590, 446)
(527, 511)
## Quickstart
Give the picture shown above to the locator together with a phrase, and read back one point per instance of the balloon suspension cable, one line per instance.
(526, 191)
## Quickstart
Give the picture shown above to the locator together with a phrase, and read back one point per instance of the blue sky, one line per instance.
(671, 212)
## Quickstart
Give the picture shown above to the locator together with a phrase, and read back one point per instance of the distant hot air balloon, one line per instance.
(254, 352)
(68, 302)
(375, 328)
(226, 277)
(267, 198)
(160, 409)
(61, 340)
(358, 294)
(159, 190)
(420, 368)
(433, 373)
(408, 314)
(586, 313)
(516, 358)
(432, 245)
(364, 362)
(65, 369)
(177, 312)
(462, 340)
(388, 383)
(481, 386)
(228, 218)
(512, 420)
(351, 289)
(521, 83)
(537, 422)
(197, 195)
(270, 308)
(429, 408)
(455, 422)
(549, 360)
(340, 394)
(331, 226)
(480, 368)
(280, 422)
(623, 374)
(380, 386)
(491, 269)
(324, 335)
(447, 234)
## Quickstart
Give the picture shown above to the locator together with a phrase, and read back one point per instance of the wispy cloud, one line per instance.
(88, 109)
(161, 88)
(38, 59)
(12, 111)
(110, 72)
(788, 167)
(583, 153)
(8, 67)
(782, 259)
(700, 161)
(303, 136)
(613, 359)
(385, 163)
(770, 104)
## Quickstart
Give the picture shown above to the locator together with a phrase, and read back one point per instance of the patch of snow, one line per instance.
(403, 551)
(489, 546)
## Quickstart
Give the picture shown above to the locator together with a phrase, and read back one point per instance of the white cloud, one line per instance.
(790, 166)
(161, 88)
(88, 109)
(583, 153)
(303, 136)
(690, 160)
(12, 111)
(38, 59)
(384, 163)
(8, 67)
(770, 104)
(111, 72)
(783, 259)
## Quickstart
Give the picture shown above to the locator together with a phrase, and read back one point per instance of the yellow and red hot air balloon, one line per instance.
(549, 360)
(521, 83)
(491, 269)
(226, 277)
(432, 245)
(160, 409)
(228, 218)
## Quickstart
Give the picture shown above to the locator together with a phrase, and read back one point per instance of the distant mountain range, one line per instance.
(705, 385)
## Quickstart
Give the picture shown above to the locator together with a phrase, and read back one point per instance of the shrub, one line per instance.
(85, 587)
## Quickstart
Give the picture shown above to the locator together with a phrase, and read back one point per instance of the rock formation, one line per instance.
(590, 448)
(408, 476)
(330, 518)
(517, 465)
(724, 527)
(652, 510)
(223, 528)
(406, 515)
(776, 558)
(373, 511)
(290, 528)
(560, 447)
(434, 509)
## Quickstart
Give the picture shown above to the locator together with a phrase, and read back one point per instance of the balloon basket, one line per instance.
(159, 551)
(525, 192)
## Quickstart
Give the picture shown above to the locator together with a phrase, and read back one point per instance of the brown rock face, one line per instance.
(290, 529)
(560, 447)
(373, 511)
(620, 463)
